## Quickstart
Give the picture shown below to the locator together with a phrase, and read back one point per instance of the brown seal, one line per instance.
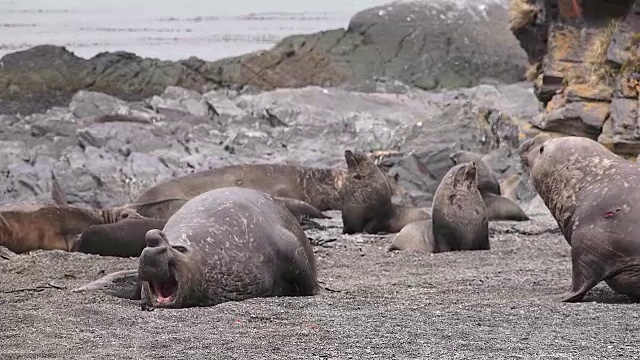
(594, 195)
(125, 238)
(225, 244)
(498, 206)
(30, 227)
(459, 217)
(366, 193)
(316, 187)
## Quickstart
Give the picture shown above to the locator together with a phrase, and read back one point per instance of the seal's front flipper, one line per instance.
(6, 254)
(123, 284)
(301, 208)
(503, 208)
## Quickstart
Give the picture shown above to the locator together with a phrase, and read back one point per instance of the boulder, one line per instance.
(391, 48)
(100, 164)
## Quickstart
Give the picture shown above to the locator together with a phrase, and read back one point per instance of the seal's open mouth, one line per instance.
(165, 291)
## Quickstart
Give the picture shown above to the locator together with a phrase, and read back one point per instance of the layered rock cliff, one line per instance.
(586, 71)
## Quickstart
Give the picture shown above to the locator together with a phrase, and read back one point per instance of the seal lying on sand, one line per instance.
(30, 227)
(225, 244)
(594, 195)
(498, 206)
(304, 191)
(125, 238)
(459, 217)
(366, 193)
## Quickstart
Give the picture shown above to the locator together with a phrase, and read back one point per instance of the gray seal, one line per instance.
(459, 217)
(594, 195)
(226, 244)
(304, 191)
(498, 206)
(125, 238)
(367, 205)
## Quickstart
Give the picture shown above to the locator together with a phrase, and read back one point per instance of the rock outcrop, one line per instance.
(436, 44)
(587, 67)
(103, 161)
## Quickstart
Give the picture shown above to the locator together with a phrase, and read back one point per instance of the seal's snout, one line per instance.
(155, 238)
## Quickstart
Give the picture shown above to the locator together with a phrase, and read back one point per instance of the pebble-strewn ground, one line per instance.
(493, 304)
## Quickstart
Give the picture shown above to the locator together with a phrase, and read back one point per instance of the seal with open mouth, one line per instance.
(223, 245)
(594, 195)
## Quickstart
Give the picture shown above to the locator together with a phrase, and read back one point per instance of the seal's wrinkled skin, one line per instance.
(314, 189)
(223, 245)
(594, 195)
(25, 228)
(366, 194)
(498, 206)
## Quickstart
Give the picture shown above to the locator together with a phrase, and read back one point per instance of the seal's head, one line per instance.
(531, 150)
(366, 193)
(461, 157)
(464, 176)
(173, 272)
(113, 215)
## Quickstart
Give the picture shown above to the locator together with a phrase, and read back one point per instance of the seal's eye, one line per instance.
(357, 177)
(124, 216)
(541, 149)
(181, 249)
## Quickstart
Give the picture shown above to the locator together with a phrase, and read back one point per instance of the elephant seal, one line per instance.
(594, 195)
(125, 238)
(28, 227)
(498, 206)
(367, 205)
(226, 244)
(459, 217)
(316, 187)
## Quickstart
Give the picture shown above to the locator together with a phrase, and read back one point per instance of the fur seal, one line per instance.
(316, 187)
(594, 195)
(367, 205)
(498, 206)
(226, 244)
(28, 227)
(459, 217)
(125, 238)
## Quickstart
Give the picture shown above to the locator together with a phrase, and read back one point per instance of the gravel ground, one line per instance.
(479, 304)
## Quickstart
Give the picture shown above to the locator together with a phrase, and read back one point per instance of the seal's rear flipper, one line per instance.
(322, 289)
(301, 208)
(123, 284)
(6, 254)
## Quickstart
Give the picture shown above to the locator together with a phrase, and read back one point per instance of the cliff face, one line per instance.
(586, 70)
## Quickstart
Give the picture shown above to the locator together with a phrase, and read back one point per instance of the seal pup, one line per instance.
(459, 217)
(125, 238)
(315, 186)
(498, 206)
(367, 205)
(28, 227)
(594, 195)
(226, 244)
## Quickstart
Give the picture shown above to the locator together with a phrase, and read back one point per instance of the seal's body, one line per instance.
(318, 188)
(25, 228)
(367, 205)
(125, 238)
(225, 244)
(498, 206)
(459, 217)
(594, 195)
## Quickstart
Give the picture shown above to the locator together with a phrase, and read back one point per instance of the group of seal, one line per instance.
(28, 227)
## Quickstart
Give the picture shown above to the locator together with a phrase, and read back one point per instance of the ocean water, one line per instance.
(164, 29)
